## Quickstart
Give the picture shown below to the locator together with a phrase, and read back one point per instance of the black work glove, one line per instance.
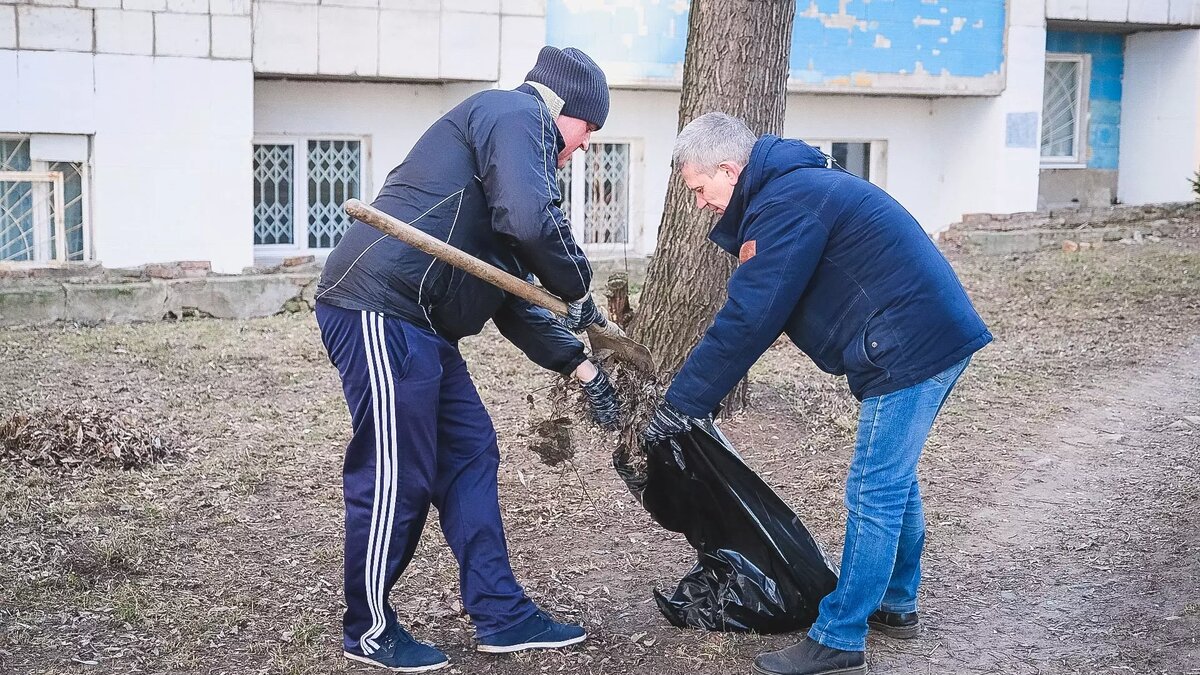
(666, 423)
(581, 314)
(602, 398)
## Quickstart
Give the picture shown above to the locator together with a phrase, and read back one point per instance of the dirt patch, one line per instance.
(1042, 556)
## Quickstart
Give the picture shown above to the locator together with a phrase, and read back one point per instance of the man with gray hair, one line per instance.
(852, 279)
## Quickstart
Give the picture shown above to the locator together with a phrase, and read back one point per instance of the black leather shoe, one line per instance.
(810, 658)
(903, 626)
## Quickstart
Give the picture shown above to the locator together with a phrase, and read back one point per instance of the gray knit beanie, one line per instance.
(576, 78)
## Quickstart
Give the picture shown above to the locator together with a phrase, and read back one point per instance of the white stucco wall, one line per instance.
(170, 166)
(1160, 117)
(389, 117)
(903, 123)
(915, 155)
(989, 147)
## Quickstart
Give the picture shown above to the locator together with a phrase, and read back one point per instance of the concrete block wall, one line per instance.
(1153, 12)
(218, 29)
(398, 39)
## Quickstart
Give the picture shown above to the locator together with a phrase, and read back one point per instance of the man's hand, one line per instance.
(602, 399)
(666, 423)
(581, 314)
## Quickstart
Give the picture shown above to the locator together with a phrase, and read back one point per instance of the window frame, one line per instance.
(57, 193)
(299, 143)
(634, 228)
(877, 165)
(1079, 159)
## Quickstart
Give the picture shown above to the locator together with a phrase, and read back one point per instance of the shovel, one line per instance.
(610, 337)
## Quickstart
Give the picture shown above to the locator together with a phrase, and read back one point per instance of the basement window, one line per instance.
(1064, 100)
(596, 187)
(35, 183)
(300, 185)
(865, 159)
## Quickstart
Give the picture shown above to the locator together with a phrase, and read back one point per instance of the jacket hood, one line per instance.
(771, 158)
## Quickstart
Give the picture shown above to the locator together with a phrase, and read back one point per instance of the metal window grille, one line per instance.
(606, 198)
(333, 177)
(1061, 109)
(564, 189)
(274, 206)
(41, 206)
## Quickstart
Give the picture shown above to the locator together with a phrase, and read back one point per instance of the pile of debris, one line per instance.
(70, 437)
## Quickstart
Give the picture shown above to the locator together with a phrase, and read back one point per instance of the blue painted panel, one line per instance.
(1104, 90)
(832, 41)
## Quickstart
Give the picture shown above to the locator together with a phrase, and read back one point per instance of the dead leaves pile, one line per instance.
(76, 436)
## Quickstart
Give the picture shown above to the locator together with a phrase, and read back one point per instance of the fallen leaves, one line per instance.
(66, 438)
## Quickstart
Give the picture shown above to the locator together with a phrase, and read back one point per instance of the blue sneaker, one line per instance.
(399, 652)
(537, 632)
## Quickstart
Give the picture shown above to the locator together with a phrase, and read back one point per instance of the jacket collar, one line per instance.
(727, 233)
(553, 101)
(554, 104)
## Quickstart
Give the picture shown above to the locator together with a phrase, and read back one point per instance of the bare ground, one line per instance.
(1060, 491)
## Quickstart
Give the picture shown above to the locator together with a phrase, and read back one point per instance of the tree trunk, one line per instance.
(736, 62)
(617, 292)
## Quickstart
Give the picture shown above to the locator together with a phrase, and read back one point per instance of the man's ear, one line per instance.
(732, 170)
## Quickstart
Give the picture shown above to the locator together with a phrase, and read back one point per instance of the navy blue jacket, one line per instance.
(483, 179)
(838, 265)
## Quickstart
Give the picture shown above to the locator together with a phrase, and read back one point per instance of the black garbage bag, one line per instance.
(759, 569)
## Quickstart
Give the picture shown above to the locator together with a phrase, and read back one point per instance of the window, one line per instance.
(298, 202)
(1063, 103)
(595, 188)
(30, 225)
(865, 159)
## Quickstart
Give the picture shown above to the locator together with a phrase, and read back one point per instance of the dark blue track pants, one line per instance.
(421, 436)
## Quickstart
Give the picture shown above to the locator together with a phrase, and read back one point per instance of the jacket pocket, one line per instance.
(873, 349)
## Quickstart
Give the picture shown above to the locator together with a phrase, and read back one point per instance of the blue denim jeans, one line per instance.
(885, 525)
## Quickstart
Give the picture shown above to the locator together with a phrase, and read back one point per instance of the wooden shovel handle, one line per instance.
(449, 254)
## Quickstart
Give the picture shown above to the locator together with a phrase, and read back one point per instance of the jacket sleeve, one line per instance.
(536, 333)
(763, 293)
(517, 154)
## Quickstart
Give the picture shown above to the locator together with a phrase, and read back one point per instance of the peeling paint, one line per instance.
(834, 41)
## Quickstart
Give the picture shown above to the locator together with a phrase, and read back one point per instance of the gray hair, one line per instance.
(713, 138)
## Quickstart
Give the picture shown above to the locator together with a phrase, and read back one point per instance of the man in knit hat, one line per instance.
(482, 178)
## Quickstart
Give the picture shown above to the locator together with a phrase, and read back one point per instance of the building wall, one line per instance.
(990, 146)
(389, 117)
(1160, 129)
(1162, 12)
(916, 158)
(161, 91)
(419, 40)
(899, 46)
(1095, 184)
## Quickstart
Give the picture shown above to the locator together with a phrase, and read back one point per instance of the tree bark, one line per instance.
(736, 62)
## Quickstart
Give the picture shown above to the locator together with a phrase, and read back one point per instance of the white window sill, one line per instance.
(1063, 165)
